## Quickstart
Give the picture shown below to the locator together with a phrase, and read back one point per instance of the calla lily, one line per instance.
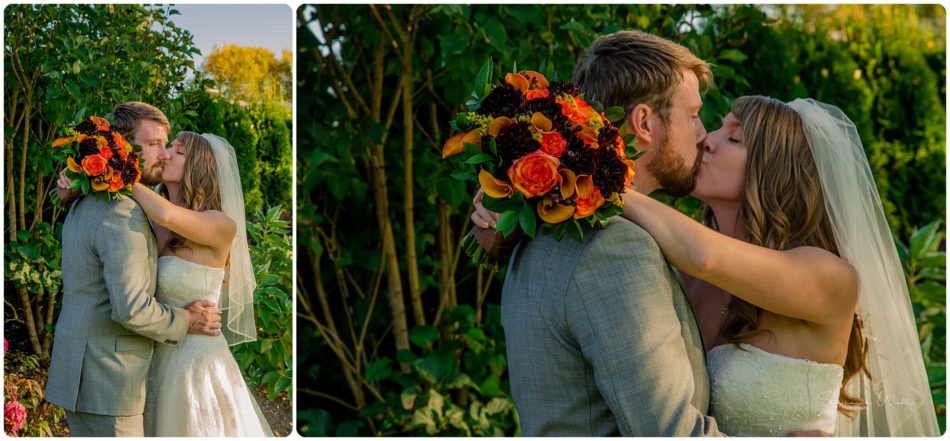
(541, 122)
(568, 183)
(498, 124)
(518, 81)
(535, 77)
(630, 173)
(101, 123)
(59, 142)
(493, 187)
(584, 186)
(102, 141)
(553, 213)
(72, 165)
(100, 185)
(588, 136)
(456, 144)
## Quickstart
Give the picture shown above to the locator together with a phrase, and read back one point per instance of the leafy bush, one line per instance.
(268, 361)
(24, 381)
(452, 384)
(925, 266)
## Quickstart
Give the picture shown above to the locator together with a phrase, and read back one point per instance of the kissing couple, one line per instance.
(139, 348)
(785, 312)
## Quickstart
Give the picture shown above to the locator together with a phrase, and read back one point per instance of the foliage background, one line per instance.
(67, 61)
(399, 334)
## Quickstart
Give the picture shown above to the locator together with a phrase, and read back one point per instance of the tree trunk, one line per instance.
(381, 193)
(412, 261)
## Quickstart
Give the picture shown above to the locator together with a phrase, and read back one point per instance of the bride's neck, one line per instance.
(174, 192)
(727, 218)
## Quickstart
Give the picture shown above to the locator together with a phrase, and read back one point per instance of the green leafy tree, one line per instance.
(63, 62)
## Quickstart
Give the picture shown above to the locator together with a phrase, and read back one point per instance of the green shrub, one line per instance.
(268, 361)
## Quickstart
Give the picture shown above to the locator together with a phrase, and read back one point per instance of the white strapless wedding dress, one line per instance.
(196, 388)
(757, 393)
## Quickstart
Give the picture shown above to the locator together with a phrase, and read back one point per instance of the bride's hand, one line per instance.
(483, 217)
(63, 181)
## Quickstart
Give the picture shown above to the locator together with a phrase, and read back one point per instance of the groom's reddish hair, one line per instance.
(128, 115)
(627, 68)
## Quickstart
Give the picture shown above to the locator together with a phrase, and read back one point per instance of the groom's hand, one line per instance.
(203, 318)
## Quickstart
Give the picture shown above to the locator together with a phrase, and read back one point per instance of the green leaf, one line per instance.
(480, 158)
(615, 114)
(379, 370)
(483, 81)
(424, 335)
(491, 387)
(924, 240)
(507, 222)
(732, 55)
(575, 230)
(527, 220)
(495, 31)
(502, 205)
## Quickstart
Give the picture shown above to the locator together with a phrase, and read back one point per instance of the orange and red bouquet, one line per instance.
(543, 155)
(99, 160)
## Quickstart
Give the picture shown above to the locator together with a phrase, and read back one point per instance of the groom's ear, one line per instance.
(640, 122)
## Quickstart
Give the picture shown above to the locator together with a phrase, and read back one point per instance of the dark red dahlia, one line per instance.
(515, 141)
(610, 171)
(86, 127)
(88, 146)
(503, 100)
(549, 108)
(607, 136)
(577, 156)
(561, 87)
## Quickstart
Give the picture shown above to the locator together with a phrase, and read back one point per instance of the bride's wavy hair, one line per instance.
(783, 207)
(199, 183)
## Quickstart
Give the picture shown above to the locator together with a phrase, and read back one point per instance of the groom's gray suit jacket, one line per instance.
(110, 319)
(602, 340)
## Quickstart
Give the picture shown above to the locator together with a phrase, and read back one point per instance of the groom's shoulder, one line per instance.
(622, 232)
(119, 209)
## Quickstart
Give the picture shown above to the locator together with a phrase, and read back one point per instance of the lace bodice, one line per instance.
(181, 282)
(757, 393)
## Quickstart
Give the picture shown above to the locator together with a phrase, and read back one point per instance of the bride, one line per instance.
(797, 285)
(196, 388)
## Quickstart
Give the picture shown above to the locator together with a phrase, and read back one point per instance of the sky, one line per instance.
(267, 26)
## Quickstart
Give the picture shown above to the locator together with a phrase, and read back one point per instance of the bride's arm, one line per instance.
(212, 228)
(808, 283)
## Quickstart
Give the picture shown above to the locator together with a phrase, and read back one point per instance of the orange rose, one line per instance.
(553, 144)
(587, 206)
(94, 165)
(535, 174)
(105, 152)
(534, 94)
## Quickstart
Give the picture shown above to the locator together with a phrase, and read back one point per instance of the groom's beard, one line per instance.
(151, 177)
(671, 172)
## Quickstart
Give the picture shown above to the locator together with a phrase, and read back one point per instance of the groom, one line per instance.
(110, 320)
(601, 337)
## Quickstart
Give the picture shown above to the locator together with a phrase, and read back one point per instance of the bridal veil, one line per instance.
(897, 396)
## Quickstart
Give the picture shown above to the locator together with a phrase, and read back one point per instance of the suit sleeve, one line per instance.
(627, 326)
(122, 245)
